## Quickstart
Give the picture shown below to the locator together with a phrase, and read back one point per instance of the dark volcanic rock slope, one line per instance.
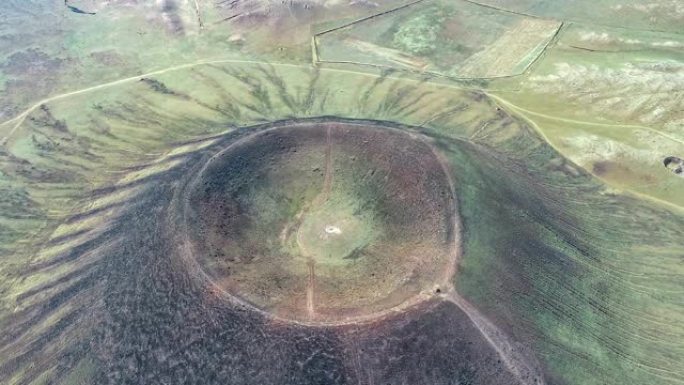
(160, 324)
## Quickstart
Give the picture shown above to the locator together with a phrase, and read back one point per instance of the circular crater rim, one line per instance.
(443, 283)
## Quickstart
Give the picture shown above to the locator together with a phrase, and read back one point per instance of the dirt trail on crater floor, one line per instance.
(310, 307)
(319, 200)
(327, 179)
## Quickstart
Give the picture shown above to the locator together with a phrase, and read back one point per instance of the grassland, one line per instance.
(572, 228)
(456, 40)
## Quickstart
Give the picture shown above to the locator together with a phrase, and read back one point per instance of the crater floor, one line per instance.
(324, 223)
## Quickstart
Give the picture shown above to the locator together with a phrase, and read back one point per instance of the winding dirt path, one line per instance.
(526, 114)
(199, 15)
(328, 177)
(524, 367)
(17, 121)
(519, 109)
(311, 284)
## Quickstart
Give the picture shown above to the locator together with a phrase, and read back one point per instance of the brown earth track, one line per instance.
(320, 199)
(310, 290)
(525, 369)
(328, 178)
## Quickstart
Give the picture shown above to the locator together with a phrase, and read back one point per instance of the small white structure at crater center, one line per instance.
(330, 229)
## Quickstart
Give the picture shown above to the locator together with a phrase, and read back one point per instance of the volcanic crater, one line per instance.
(323, 222)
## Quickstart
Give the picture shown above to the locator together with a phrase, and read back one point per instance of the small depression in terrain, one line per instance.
(324, 222)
